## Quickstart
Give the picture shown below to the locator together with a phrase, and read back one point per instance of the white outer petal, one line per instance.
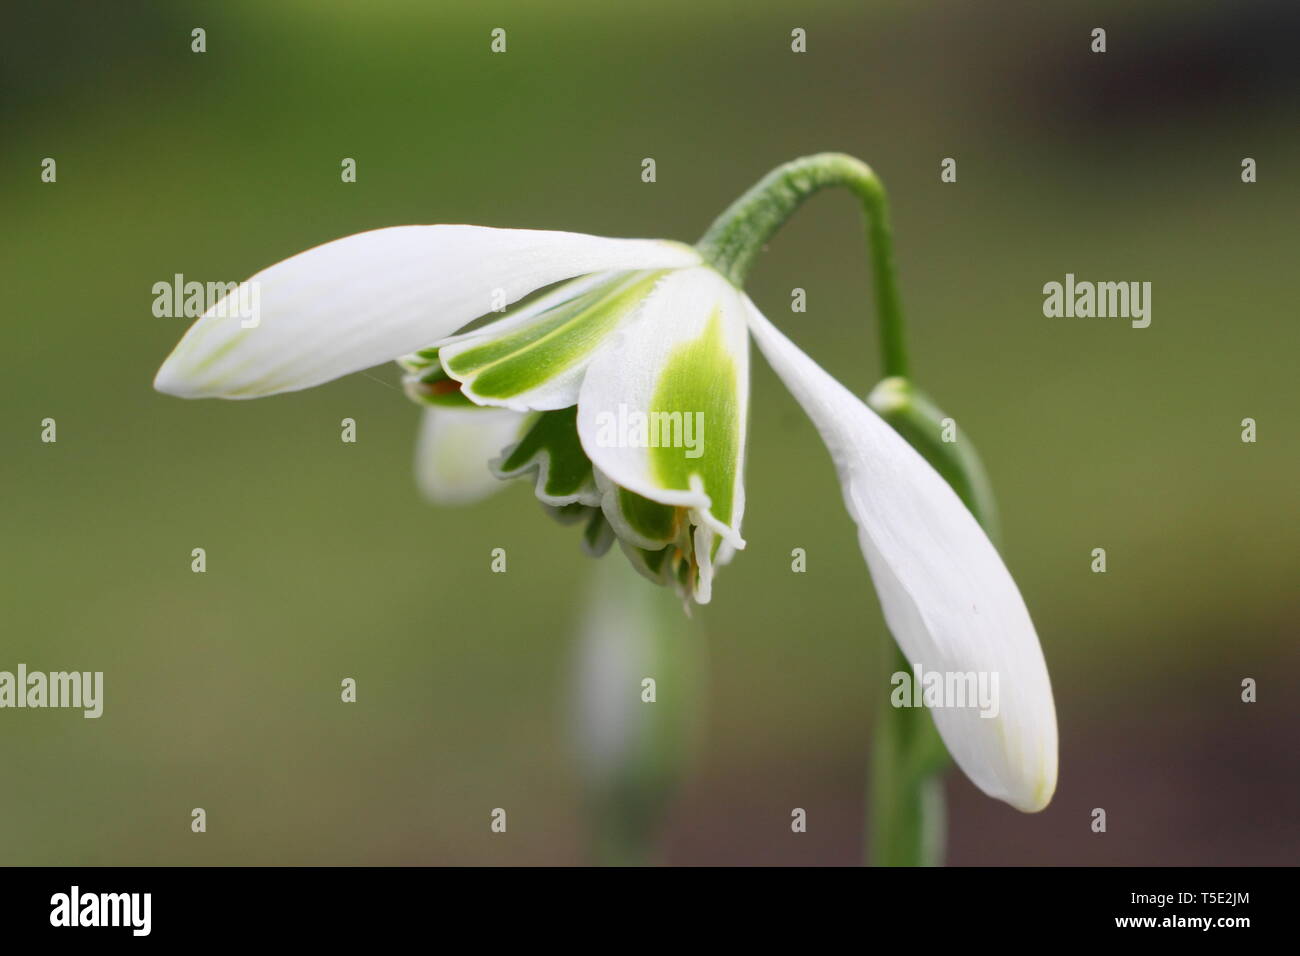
(453, 450)
(626, 371)
(945, 592)
(368, 298)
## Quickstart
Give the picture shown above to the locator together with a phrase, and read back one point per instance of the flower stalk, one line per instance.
(906, 819)
(740, 233)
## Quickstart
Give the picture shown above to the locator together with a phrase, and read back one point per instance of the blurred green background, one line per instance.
(222, 689)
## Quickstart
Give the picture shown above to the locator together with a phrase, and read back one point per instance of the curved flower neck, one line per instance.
(734, 240)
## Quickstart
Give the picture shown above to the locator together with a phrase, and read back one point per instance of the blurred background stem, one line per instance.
(634, 739)
(906, 822)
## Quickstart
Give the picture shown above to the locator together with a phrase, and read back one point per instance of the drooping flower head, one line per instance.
(614, 375)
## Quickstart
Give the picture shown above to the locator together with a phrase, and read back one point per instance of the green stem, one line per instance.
(906, 822)
(736, 237)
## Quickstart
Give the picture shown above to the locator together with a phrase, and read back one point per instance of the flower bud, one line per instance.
(912, 413)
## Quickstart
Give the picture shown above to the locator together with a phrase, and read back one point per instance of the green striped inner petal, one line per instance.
(655, 565)
(649, 519)
(420, 360)
(527, 357)
(426, 383)
(700, 377)
(674, 566)
(597, 536)
(553, 437)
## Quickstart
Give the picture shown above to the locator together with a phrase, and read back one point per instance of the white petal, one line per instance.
(453, 450)
(684, 354)
(368, 298)
(945, 592)
(703, 544)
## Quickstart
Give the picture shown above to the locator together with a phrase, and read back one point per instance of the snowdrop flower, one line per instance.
(621, 391)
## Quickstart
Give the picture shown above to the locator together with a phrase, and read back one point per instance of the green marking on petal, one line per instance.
(700, 380)
(651, 520)
(420, 361)
(432, 388)
(211, 356)
(552, 440)
(426, 383)
(443, 398)
(686, 570)
(654, 565)
(527, 357)
(598, 535)
(675, 566)
(570, 513)
(656, 561)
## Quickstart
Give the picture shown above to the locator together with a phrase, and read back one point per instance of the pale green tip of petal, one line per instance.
(1044, 790)
(185, 374)
(1033, 776)
(172, 380)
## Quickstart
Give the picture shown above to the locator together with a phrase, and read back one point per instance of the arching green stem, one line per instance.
(736, 237)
